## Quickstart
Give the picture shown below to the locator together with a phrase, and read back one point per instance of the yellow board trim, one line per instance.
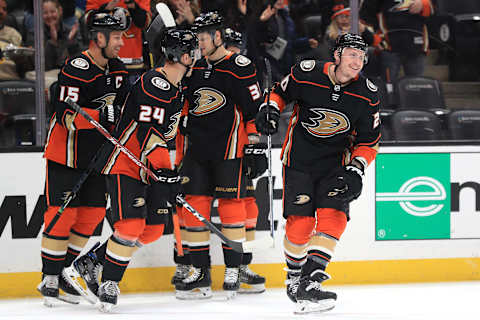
(23, 284)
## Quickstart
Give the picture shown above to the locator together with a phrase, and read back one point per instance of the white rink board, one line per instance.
(24, 174)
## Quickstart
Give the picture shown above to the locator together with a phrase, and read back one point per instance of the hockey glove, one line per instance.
(109, 115)
(255, 159)
(270, 112)
(347, 184)
(171, 183)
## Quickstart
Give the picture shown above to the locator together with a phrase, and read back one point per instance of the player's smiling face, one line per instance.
(115, 43)
(351, 62)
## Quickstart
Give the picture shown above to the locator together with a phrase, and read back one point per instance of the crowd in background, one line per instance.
(284, 31)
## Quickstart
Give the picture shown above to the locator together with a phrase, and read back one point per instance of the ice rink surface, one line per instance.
(432, 301)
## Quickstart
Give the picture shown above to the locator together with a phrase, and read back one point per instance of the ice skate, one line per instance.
(196, 286)
(49, 289)
(310, 295)
(231, 282)
(292, 282)
(250, 282)
(70, 294)
(181, 272)
(108, 293)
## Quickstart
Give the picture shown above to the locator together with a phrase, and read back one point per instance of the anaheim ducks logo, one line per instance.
(207, 100)
(328, 123)
(172, 127)
(402, 5)
(105, 100)
(302, 199)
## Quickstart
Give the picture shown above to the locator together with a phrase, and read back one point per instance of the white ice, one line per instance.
(436, 301)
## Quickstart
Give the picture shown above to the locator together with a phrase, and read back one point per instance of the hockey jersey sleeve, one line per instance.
(73, 85)
(367, 130)
(245, 87)
(158, 116)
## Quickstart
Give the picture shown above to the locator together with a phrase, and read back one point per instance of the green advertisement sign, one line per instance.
(412, 196)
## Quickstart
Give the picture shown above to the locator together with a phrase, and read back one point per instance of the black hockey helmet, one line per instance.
(351, 40)
(118, 19)
(233, 38)
(207, 22)
(176, 42)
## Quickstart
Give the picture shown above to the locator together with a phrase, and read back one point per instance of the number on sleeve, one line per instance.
(70, 92)
(255, 91)
(147, 113)
(376, 120)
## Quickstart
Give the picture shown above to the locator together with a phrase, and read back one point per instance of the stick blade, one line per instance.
(258, 244)
(166, 15)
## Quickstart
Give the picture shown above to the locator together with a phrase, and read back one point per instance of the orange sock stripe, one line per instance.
(114, 262)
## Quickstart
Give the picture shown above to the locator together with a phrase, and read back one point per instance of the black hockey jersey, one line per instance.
(221, 98)
(149, 120)
(71, 139)
(326, 117)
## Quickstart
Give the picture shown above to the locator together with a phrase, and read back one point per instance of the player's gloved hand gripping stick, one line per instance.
(247, 246)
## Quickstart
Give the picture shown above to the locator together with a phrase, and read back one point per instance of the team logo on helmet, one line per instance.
(242, 61)
(161, 83)
(207, 100)
(307, 65)
(371, 86)
(80, 63)
(327, 124)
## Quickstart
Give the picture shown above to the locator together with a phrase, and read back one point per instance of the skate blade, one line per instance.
(49, 302)
(306, 306)
(230, 294)
(105, 307)
(195, 294)
(71, 277)
(251, 288)
(69, 298)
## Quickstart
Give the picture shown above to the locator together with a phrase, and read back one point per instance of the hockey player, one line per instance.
(222, 97)
(92, 79)
(332, 136)
(139, 205)
(252, 282)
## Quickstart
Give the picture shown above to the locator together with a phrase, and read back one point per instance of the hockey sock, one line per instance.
(118, 255)
(100, 252)
(247, 258)
(76, 242)
(185, 259)
(54, 250)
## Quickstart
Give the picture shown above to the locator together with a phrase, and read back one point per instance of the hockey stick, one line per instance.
(242, 247)
(166, 15)
(268, 68)
(73, 193)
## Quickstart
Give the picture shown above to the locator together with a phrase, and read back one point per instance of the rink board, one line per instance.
(381, 243)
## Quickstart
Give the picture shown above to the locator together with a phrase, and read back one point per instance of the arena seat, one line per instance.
(464, 124)
(415, 125)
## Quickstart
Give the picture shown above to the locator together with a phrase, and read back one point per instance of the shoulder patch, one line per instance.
(242, 61)
(80, 63)
(371, 86)
(307, 65)
(161, 83)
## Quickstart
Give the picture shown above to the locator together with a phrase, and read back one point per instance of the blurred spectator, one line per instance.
(402, 25)
(183, 11)
(8, 36)
(276, 39)
(60, 41)
(132, 53)
(68, 13)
